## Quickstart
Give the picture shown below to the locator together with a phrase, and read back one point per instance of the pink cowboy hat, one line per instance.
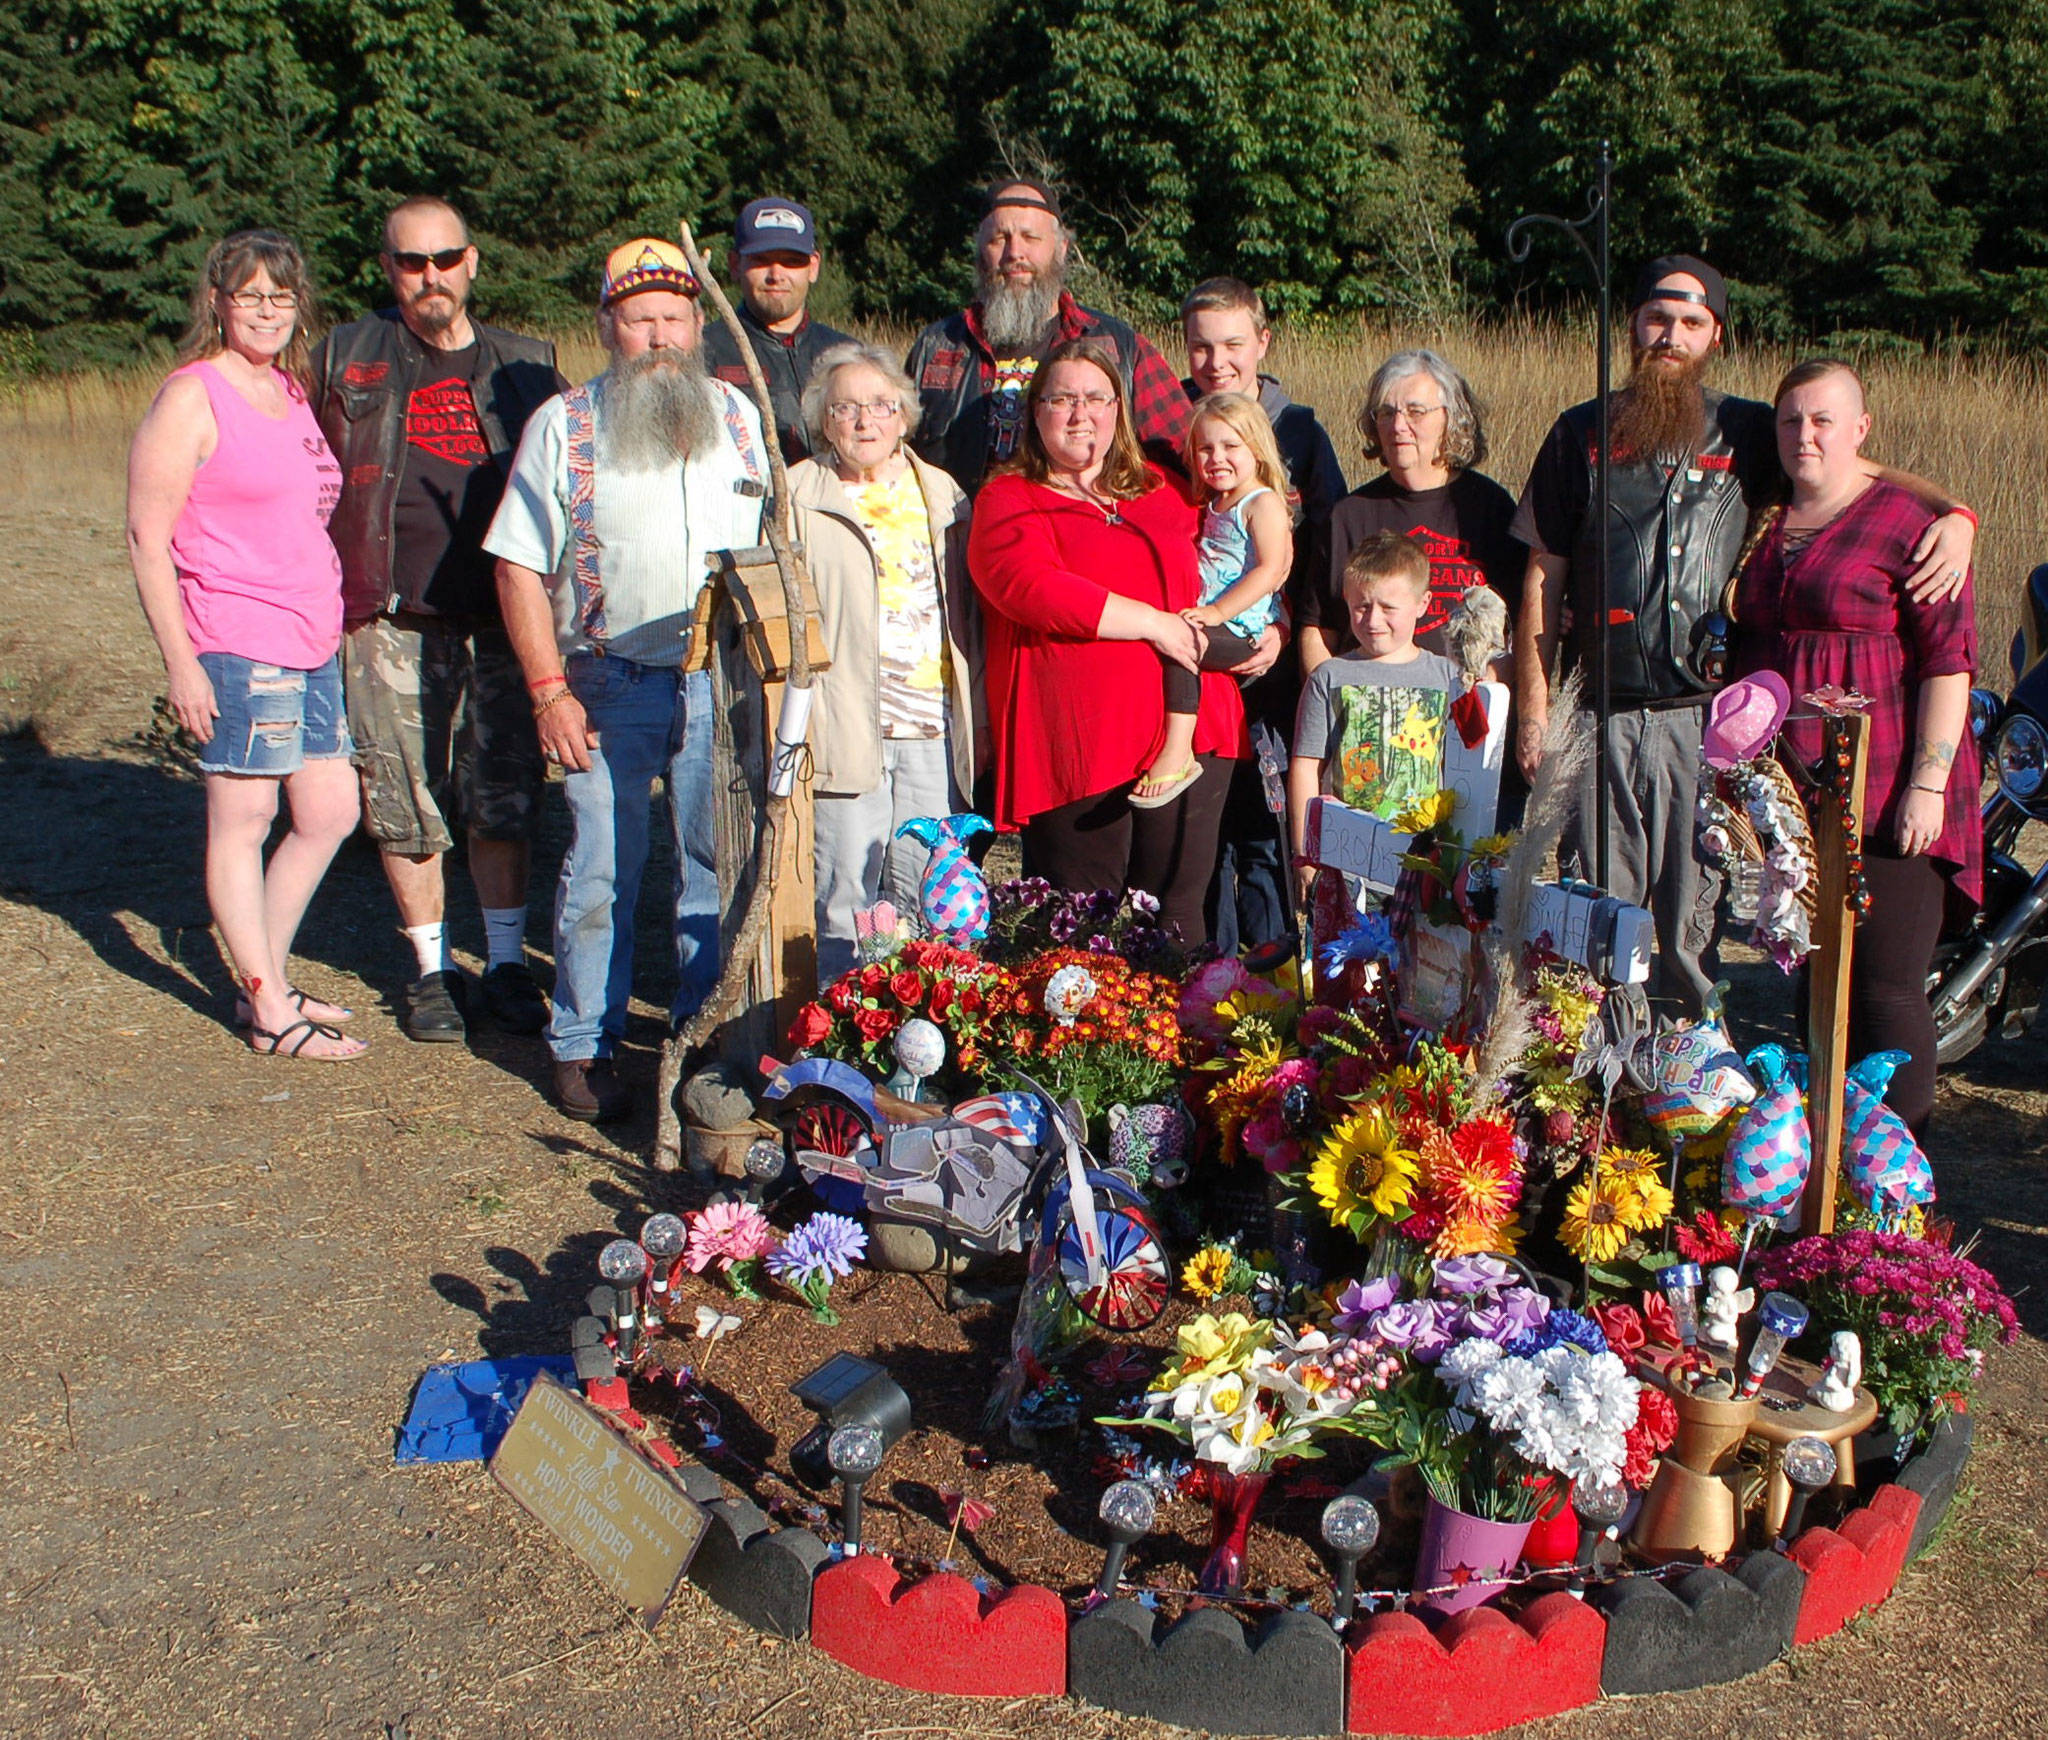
(1744, 717)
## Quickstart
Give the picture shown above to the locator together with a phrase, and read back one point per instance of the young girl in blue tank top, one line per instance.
(1246, 551)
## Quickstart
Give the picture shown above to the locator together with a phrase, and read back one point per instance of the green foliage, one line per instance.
(1856, 166)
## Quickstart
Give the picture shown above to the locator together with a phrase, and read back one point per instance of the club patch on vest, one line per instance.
(364, 476)
(736, 373)
(362, 374)
(943, 370)
(1715, 461)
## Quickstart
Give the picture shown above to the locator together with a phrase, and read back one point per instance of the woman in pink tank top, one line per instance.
(230, 487)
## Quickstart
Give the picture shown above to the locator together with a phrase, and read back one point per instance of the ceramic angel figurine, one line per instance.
(1723, 1307)
(1836, 1389)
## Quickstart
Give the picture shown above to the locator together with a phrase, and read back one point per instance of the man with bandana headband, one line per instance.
(971, 368)
(623, 489)
(1688, 467)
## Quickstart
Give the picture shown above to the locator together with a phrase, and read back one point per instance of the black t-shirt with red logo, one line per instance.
(1463, 526)
(449, 492)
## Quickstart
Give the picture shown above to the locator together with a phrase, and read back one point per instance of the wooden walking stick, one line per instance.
(779, 525)
(1838, 848)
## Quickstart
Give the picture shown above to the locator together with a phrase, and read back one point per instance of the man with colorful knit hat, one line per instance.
(624, 490)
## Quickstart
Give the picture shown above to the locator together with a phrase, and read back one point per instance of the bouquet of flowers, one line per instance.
(820, 1251)
(1030, 916)
(1248, 1395)
(1502, 1395)
(1925, 1314)
(735, 1236)
(1621, 1202)
(859, 1012)
(1090, 1027)
(1567, 1003)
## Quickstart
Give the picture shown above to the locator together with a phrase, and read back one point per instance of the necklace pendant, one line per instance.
(1110, 517)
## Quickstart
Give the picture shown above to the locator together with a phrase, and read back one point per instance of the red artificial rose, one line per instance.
(1656, 1418)
(811, 1025)
(942, 998)
(906, 988)
(874, 1024)
(1657, 1319)
(970, 1000)
(873, 977)
(1622, 1324)
(842, 996)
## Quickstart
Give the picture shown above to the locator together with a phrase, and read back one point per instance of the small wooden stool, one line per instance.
(1787, 1414)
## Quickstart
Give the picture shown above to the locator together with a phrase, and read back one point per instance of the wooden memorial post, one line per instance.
(1845, 739)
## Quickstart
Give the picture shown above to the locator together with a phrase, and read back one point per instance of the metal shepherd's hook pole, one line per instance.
(1591, 234)
(780, 527)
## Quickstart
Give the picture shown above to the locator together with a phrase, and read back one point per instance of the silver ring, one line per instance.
(1955, 573)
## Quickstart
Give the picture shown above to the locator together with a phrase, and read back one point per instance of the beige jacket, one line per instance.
(846, 720)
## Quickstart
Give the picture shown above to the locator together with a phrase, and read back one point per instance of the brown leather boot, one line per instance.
(589, 1090)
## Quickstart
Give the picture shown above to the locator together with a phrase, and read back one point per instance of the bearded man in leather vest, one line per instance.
(1688, 467)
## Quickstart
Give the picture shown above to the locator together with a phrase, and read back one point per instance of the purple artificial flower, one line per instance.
(826, 1245)
(1434, 1340)
(1359, 1300)
(1490, 1321)
(1401, 1325)
(1461, 1276)
(1528, 1307)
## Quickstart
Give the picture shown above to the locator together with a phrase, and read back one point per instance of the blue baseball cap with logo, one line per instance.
(774, 226)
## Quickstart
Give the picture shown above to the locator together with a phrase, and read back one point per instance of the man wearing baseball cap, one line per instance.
(623, 491)
(774, 265)
(971, 368)
(1688, 466)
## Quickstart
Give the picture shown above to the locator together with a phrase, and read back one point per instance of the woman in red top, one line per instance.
(1085, 558)
(1823, 599)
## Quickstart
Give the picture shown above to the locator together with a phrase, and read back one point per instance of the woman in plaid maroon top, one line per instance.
(1823, 599)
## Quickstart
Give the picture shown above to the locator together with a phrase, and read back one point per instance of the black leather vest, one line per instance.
(1673, 539)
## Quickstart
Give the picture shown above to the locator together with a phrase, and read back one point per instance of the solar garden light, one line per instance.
(1809, 1464)
(1599, 1510)
(845, 1391)
(624, 1264)
(853, 1453)
(662, 1238)
(1780, 1320)
(764, 1164)
(1351, 1525)
(1680, 1285)
(1127, 1510)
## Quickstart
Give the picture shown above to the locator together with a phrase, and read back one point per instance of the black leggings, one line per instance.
(1227, 650)
(1101, 842)
(1888, 1007)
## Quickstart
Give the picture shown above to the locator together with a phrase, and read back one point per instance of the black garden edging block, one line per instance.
(1706, 1628)
(757, 1572)
(1934, 1473)
(1203, 1672)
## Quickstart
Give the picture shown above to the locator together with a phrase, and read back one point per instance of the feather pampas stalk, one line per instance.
(1553, 801)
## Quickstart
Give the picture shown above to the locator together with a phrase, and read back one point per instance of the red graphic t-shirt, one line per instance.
(449, 493)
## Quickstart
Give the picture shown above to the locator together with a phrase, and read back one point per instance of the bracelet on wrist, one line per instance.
(554, 700)
(1930, 790)
(546, 683)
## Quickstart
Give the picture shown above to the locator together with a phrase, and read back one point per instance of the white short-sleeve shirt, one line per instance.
(656, 530)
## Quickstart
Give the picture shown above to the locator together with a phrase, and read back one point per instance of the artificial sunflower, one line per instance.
(1427, 813)
(1361, 1172)
(1596, 1218)
(1648, 1203)
(1206, 1272)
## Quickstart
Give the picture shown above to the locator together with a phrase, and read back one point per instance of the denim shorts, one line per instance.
(273, 720)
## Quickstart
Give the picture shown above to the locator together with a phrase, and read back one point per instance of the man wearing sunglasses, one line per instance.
(424, 406)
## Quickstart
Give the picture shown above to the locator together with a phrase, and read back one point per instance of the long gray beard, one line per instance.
(657, 410)
(1012, 316)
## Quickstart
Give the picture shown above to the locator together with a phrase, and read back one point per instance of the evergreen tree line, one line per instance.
(1856, 166)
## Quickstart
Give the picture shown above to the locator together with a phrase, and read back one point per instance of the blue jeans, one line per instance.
(273, 719)
(651, 722)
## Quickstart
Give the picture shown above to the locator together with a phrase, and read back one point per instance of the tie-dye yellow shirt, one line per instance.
(912, 619)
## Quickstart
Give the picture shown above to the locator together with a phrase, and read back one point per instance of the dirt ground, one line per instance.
(227, 1273)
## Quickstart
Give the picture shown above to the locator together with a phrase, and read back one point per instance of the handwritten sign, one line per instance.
(1607, 936)
(1355, 842)
(1473, 772)
(625, 1518)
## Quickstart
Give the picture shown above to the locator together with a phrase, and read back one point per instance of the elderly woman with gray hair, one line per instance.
(893, 726)
(1421, 422)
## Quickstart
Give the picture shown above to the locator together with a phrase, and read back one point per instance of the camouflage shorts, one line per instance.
(444, 735)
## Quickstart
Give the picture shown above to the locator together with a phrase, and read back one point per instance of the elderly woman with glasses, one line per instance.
(893, 732)
(1084, 555)
(1421, 423)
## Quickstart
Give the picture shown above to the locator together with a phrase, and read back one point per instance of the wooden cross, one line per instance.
(1836, 834)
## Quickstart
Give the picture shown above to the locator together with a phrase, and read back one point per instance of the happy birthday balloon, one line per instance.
(1771, 1151)
(1700, 1079)
(1883, 1159)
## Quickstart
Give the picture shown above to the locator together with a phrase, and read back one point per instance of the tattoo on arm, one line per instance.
(1933, 757)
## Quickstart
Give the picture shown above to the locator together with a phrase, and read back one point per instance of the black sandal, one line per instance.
(245, 1014)
(307, 1031)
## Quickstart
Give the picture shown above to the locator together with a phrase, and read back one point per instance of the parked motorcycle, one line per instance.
(1989, 979)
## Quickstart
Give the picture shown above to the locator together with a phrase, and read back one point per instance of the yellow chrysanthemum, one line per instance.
(1596, 1218)
(1360, 1167)
(1206, 1271)
(1646, 1201)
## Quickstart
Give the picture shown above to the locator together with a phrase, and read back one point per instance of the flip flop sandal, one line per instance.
(267, 1044)
(1160, 799)
(245, 1016)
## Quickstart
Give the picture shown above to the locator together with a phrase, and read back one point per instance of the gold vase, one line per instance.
(1692, 1509)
